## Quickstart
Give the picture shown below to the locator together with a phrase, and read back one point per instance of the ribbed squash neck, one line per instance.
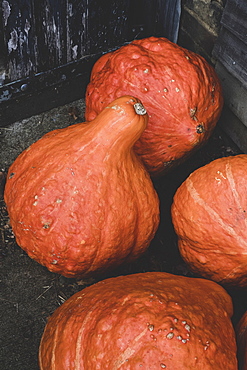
(120, 124)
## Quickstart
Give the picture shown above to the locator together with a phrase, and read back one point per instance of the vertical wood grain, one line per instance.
(42, 35)
(20, 38)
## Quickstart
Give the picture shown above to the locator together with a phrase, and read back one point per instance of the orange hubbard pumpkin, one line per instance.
(180, 90)
(79, 199)
(241, 332)
(209, 216)
(152, 320)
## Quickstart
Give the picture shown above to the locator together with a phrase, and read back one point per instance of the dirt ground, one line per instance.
(29, 293)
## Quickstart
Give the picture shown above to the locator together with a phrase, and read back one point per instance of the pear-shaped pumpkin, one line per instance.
(152, 320)
(79, 199)
(179, 88)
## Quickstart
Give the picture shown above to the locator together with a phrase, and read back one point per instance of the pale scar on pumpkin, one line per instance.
(214, 215)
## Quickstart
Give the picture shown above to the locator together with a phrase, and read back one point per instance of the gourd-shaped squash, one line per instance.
(241, 332)
(209, 214)
(152, 320)
(79, 199)
(180, 90)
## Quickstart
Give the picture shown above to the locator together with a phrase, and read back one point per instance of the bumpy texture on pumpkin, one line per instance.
(79, 199)
(152, 320)
(241, 331)
(179, 89)
(209, 214)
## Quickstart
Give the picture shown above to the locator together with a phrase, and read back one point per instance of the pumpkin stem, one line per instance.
(122, 122)
(139, 109)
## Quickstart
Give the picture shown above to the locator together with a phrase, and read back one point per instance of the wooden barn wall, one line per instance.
(230, 52)
(200, 25)
(217, 30)
(53, 43)
(42, 35)
(231, 46)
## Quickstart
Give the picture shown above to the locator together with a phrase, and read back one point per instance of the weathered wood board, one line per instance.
(47, 44)
(231, 46)
(230, 51)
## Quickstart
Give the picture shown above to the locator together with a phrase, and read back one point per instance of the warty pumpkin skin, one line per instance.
(241, 332)
(209, 216)
(79, 199)
(180, 90)
(152, 320)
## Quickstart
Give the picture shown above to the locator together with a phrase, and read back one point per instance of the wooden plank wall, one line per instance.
(217, 30)
(52, 44)
(42, 35)
(231, 46)
(230, 52)
(200, 25)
